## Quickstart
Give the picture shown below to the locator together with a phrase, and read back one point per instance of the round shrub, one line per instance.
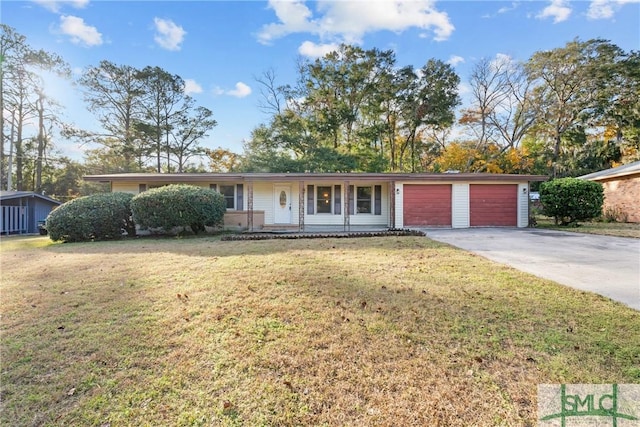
(570, 200)
(99, 216)
(179, 205)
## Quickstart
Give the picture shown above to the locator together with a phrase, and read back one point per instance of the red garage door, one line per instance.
(493, 204)
(427, 205)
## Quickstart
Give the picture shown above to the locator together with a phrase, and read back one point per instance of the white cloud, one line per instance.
(606, 9)
(241, 90)
(505, 9)
(294, 18)
(503, 58)
(349, 21)
(502, 62)
(313, 50)
(80, 32)
(168, 35)
(600, 9)
(559, 10)
(191, 86)
(56, 5)
(455, 60)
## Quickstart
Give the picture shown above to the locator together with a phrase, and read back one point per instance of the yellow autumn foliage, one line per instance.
(466, 158)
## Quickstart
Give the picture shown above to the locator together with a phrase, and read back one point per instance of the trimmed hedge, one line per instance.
(179, 205)
(570, 200)
(99, 216)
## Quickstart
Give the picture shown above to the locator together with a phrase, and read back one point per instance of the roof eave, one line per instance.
(612, 176)
(273, 177)
(22, 195)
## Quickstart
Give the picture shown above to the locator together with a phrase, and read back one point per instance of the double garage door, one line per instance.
(489, 205)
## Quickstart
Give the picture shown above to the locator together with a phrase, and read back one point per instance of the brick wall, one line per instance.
(623, 194)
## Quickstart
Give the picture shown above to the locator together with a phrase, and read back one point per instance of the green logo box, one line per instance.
(578, 405)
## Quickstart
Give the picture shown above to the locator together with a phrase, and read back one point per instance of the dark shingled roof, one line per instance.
(9, 195)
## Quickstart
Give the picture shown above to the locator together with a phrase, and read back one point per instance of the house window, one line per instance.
(323, 200)
(228, 191)
(363, 199)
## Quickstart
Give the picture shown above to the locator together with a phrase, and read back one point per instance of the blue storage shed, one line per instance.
(21, 211)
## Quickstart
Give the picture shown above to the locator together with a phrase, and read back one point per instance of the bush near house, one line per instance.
(99, 216)
(569, 200)
(178, 205)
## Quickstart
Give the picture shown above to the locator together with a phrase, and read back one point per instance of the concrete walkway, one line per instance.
(606, 265)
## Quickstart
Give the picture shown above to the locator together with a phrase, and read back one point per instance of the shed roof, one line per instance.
(350, 176)
(10, 195)
(620, 171)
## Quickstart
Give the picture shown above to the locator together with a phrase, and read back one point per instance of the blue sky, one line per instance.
(219, 47)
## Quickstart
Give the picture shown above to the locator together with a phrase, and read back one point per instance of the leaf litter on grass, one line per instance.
(376, 331)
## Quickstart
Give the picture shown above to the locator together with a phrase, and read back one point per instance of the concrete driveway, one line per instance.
(606, 265)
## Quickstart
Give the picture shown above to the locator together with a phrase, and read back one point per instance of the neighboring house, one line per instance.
(21, 211)
(348, 201)
(621, 190)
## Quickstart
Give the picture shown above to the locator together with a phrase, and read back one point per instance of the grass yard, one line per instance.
(382, 331)
(619, 229)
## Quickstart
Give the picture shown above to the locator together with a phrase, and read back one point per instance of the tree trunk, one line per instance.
(168, 159)
(41, 143)
(10, 164)
(19, 153)
(2, 168)
(556, 154)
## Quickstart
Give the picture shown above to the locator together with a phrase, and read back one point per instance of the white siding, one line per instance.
(125, 187)
(523, 205)
(325, 218)
(371, 219)
(262, 199)
(399, 205)
(460, 206)
(356, 219)
(295, 203)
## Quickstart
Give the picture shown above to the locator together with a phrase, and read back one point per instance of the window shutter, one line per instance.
(377, 198)
(213, 187)
(310, 200)
(239, 198)
(142, 188)
(337, 210)
(351, 203)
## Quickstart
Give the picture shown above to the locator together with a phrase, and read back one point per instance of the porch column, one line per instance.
(301, 205)
(250, 205)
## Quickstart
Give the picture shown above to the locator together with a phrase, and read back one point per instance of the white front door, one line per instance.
(282, 205)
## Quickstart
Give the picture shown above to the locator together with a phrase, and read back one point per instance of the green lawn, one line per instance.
(618, 229)
(338, 332)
